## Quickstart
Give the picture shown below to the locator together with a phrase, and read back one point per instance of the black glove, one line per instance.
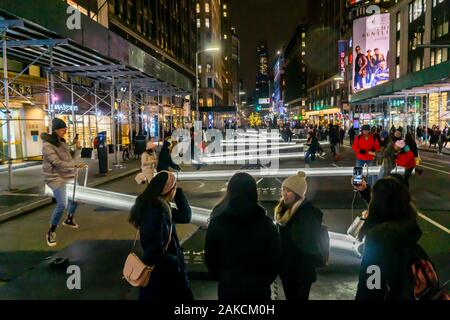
(362, 151)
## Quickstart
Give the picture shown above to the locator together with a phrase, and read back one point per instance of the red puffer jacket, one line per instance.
(405, 159)
(371, 144)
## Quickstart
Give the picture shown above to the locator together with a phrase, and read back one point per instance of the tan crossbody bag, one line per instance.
(136, 272)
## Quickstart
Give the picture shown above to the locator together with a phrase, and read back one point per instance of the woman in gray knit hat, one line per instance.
(299, 225)
(59, 168)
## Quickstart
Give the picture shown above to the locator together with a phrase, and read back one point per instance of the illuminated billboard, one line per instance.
(370, 51)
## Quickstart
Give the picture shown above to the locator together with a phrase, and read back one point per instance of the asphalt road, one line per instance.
(22, 243)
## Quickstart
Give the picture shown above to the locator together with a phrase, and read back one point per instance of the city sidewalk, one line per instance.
(29, 185)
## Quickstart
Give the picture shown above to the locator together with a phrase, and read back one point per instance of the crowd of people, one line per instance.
(245, 249)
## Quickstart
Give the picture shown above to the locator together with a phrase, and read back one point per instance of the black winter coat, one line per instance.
(242, 252)
(300, 243)
(169, 279)
(391, 246)
(165, 159)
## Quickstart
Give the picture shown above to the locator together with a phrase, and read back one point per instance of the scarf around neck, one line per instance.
(282, 216)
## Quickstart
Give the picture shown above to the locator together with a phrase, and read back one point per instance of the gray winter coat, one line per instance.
(59, 162)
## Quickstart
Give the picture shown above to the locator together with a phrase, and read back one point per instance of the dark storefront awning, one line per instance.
(218, 109)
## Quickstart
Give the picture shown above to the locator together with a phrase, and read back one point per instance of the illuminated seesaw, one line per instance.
(200, 216)
(233, 159)
(230, 151)
(280, 173)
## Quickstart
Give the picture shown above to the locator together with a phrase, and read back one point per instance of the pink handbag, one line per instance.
(136, 272)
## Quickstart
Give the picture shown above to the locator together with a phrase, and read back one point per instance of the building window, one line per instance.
(208, 68)
(198, 23)
(398, 21)
(397, 71)
(207, 7)
(225, 36)
(224, 7)
(199, 68)
(200, 102)
(398, 48)
(225, 14)
(207, 22)
(197, 7)
(210, 102)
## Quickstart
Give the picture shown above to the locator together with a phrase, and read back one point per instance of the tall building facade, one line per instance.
(296, 92)
(262, 89)
(210, 64)
(166, 28)
(324, 32)
(235, 65)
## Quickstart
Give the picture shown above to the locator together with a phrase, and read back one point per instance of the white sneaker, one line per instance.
(51, 238)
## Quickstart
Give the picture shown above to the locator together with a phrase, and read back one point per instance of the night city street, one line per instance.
(252, 151)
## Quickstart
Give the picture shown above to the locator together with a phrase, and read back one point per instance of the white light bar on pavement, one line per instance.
(256, 142)
(279, 173)
(200, 216)
(252, 157)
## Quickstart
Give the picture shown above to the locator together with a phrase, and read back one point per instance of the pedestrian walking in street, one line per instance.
(404, 158)
(59, 165)
(165, 159)
(365, 146)
(156, 221)
(391, 234)
(299, 223)
(386, 155)
(440, 141)
(351, 135)
(313, 147)
(341, 135)
(242, 247)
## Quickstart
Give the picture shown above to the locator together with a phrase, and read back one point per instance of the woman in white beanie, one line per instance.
(148, 160)
(299, 224)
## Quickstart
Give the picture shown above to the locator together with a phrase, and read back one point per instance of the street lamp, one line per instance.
(212, 49)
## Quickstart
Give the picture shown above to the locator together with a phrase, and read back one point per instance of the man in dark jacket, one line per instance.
(165, 159)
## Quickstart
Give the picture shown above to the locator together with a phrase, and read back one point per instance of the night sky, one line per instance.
(258, 20)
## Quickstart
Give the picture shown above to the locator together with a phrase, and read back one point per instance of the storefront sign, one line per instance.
(16, 89)
(64, 107)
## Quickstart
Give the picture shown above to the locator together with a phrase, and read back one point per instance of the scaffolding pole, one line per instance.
(96, 109)
(74, 120)
(130, 124)
(8, 111)
(113, 131)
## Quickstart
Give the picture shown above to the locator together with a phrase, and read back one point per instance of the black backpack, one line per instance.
(323, 241)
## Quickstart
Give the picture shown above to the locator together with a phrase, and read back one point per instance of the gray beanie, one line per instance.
(58, 124)
(297, 183)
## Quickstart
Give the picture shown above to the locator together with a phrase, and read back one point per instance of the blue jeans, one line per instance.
(360, 163)
(310, 155)
(61, 203)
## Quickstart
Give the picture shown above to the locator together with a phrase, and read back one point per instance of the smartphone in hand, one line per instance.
(357, 176)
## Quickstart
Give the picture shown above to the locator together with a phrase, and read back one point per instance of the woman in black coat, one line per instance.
(391, 234)
(156, 221)
(299, 226)
(165, 159)
(242, 248)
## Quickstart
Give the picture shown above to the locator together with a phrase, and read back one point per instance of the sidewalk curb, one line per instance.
(21, 166)
(24, 209)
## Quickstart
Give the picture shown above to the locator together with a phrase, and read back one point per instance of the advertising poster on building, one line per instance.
(370, 51)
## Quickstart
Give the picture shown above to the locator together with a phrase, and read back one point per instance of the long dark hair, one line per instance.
(151, 197)
(390, 201)
(409, 140)
(241, 192)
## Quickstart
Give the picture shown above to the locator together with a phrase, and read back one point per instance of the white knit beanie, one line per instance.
(297, 183)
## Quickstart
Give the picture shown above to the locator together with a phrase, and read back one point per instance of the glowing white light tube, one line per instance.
(279, 173)
(200, 216)
(251, 157)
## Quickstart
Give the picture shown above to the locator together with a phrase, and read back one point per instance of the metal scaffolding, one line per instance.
(32, 44)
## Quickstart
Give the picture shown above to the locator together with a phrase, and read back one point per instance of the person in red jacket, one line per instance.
(404, 158)
(365, 146)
